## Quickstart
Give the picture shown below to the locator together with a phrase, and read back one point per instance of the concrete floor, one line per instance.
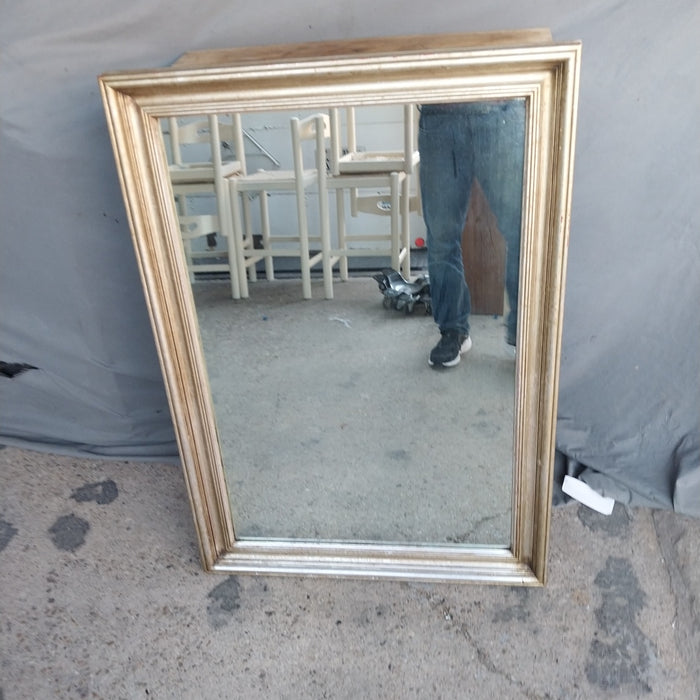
(332, 425)
(102, 596)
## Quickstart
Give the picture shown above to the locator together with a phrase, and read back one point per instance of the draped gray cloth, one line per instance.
(72, 304)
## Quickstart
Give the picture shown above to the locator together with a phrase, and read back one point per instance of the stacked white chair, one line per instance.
(387, 174)
(296, 241)
(203, 176)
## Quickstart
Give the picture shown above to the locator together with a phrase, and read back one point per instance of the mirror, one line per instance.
(346, 377)
(315, 438)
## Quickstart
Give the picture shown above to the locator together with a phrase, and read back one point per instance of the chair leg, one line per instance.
(233, 269)
(354, 200)
(395, 207)
(265, 226)
(342, 231)
(405, 245)
(187, 245)
(239, 248)
(233, 265)
(247, 231)
(325, 223)
(303, 229)
(223, 206)
(181, 204)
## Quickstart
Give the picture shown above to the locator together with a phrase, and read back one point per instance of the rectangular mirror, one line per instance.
(273, 195)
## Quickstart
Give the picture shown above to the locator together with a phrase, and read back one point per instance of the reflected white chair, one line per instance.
(301, 180)
(197, 168)
(349, 159)
(185, 136)
(378, 182)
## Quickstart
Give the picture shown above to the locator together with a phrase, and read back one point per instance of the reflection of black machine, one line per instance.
(402, 295)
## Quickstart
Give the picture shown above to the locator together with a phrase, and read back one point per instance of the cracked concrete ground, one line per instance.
(103, 597)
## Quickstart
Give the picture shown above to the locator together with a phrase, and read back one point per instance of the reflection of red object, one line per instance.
(420, 243)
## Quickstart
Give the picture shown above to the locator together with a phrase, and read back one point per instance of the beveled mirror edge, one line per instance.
(549, 76)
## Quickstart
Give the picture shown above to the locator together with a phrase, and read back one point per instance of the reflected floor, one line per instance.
(334, 427)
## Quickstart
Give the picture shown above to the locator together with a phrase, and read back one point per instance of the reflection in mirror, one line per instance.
(331, 421)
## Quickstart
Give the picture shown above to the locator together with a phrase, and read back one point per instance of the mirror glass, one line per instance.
(332, 424)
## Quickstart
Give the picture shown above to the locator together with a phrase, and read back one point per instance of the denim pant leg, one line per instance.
(499, 164)
(445, 182)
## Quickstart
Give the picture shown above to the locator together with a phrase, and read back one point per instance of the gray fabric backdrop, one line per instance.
(71, 298)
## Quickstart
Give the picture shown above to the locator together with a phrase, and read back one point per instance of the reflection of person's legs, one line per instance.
(499, 135)
(445, 180)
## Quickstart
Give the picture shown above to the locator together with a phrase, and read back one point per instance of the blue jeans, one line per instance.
(457, 143)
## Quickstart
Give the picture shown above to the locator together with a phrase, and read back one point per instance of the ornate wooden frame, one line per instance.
(414, 69)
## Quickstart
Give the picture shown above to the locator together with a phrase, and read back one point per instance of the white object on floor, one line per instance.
(583, 493)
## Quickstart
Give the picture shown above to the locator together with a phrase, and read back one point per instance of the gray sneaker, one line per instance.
(448, 352)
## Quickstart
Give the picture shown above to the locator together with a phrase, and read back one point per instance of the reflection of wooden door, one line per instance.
(484, 256)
